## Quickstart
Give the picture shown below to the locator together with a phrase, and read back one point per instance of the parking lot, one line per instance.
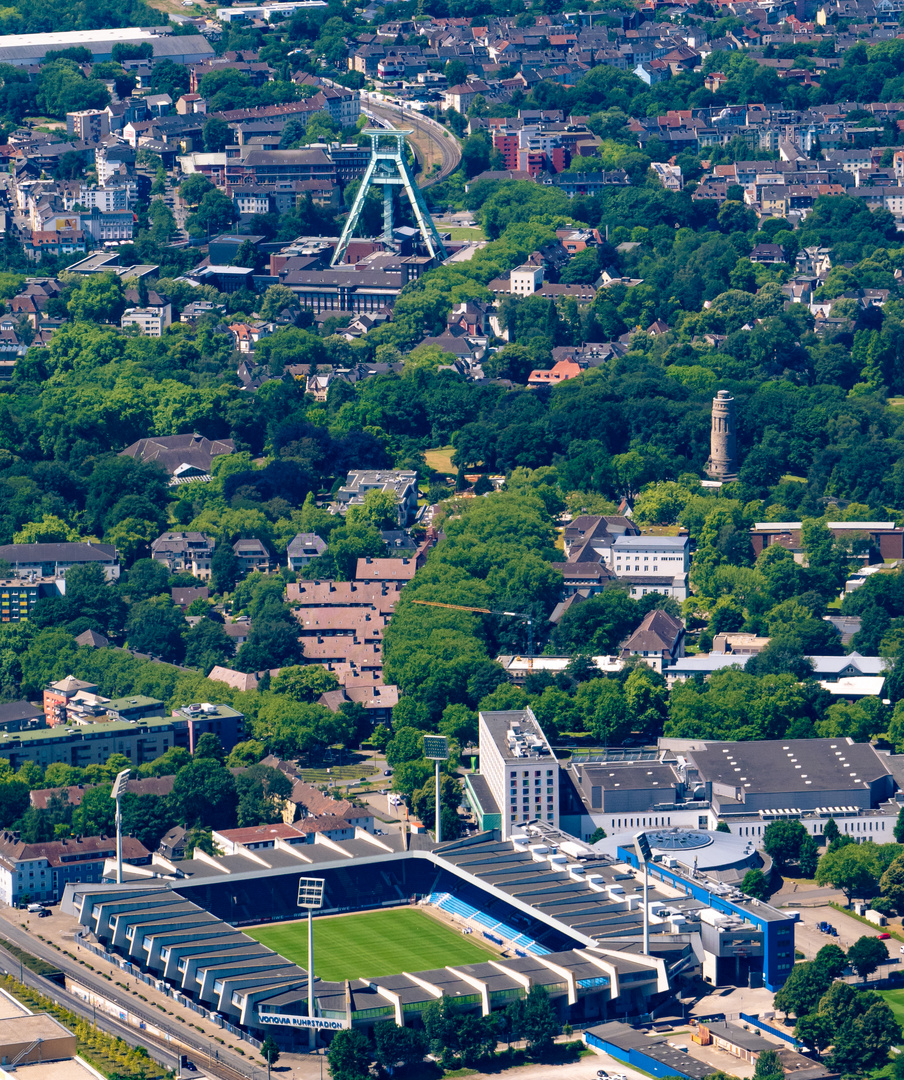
(810, 940)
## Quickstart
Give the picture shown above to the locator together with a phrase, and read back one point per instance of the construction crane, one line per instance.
(528, 619)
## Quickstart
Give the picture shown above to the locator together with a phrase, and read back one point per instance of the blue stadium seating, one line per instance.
(454, 906)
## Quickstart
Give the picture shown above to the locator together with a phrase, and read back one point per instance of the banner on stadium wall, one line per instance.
(302, 1021)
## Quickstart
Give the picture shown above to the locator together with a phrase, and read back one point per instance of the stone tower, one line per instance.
(723, 452)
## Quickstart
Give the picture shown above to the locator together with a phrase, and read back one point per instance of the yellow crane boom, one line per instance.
(486, 611)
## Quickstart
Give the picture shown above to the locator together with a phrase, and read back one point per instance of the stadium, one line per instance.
(405, 922)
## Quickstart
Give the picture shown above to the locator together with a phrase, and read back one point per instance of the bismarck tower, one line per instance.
(723, 463)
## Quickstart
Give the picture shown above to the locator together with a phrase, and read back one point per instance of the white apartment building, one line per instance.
(150, 321)
(526, 280)
(520, 769)
(652, 564)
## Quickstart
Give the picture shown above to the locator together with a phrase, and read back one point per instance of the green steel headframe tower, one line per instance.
(389, 168)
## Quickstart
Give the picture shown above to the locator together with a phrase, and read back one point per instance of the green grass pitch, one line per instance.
(371, 944)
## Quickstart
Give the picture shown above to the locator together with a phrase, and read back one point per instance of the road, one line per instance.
(430, 142)
(228, 1067)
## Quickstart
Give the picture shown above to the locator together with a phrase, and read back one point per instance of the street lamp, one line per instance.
(436, 749)
(119, 788)
(310, 896)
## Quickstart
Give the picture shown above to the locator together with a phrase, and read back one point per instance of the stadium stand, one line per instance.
(494, 930)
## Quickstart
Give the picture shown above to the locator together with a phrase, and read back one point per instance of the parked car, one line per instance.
(883, 937)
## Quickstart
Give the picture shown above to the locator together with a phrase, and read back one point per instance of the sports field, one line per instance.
(372, 944)
(894, 998)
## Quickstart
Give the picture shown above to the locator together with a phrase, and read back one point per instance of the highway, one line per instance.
(227, 1067)
(431, 142)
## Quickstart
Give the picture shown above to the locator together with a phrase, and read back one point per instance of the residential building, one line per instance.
(519, 768)
(19, 595)
(189, 552)
(658, 641)
(303, 549)
(20, 715)
(652, 564)
(93, 744)
(150, 321)
(53, 560)
(204, 718)
(402, 485)
(526, 280)
(182, 456)
(58, 695)
(40, 872)
(252, 555)
(89, 125)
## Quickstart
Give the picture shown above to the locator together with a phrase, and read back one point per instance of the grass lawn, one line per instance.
(372, 944)
(463, 232)
(895, 999)
(440, 459)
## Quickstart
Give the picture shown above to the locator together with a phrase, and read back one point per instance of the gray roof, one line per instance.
(678, 543)
(786, 765)
(63, 552)
(19, 710)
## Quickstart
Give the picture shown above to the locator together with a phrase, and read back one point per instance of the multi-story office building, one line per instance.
(519, 769)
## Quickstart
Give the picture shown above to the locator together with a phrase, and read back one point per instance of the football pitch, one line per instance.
(371, 944)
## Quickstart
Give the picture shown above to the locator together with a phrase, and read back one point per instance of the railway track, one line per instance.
(444, 145)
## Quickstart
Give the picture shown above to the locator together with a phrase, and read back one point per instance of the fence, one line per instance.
(777, 1032)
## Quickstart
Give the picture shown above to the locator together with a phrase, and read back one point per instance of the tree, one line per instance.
(270, 1052)
(782, 841)
(277, 299)
(225, 568)
(209, 746)
(831, 832)
(194, 187)
(598, 834)
(304, 682)
(394, 1045)
(97, 813)
(851, 868)
(98, 298)
(262, 792)
(832, 959)
(216, 135)
(866, 954)
(207, 644)
(157, 627)
(204, 792)
(892, 883)
(755, 884)
(147, 818)
(768, 1066)
(147, 578)
(215, 213)
(540, 1026)
(803, 988)
(723, 826)
(899, 827)
(349, 1056)
(456, 72)
(808, 858)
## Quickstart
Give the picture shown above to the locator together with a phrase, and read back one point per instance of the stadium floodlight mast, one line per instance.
(645, 856)
(310, 896)
(436, 749)
(119, 789)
